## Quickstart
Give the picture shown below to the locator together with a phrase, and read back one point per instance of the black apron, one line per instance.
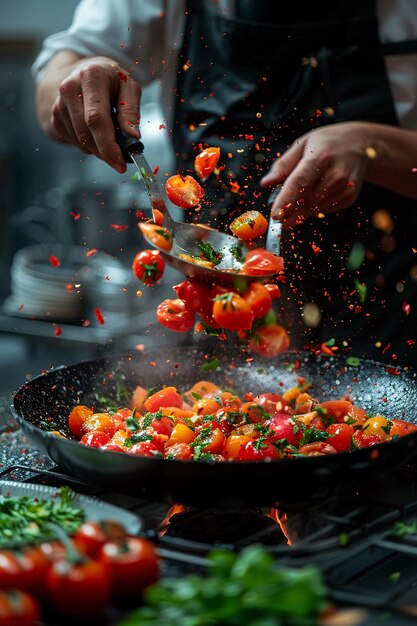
(253, 82)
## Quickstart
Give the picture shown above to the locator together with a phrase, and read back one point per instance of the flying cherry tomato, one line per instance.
(249, 226)
(157, 235)
(259, 299)
(148, 266)
(269, 340)
(184, 191)
(259, 262)
(206, 162)
(232, 312)
(175, 315)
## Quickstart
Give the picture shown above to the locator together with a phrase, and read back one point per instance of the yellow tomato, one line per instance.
(377, 425)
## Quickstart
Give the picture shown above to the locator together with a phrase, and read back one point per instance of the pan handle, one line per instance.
(127, 143)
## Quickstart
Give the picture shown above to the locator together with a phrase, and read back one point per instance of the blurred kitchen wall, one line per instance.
(36, 178)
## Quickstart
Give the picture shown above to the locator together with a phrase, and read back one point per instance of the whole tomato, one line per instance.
(232, 312)
(77, 418)
(341, 438)
(269, 340)
(78, 587)
(148, 266)
(18, 608)
(194, 293)
(258, 450)
(259, 299)
(24, 569)
(95, 439)
(133, 565)
(90, 537)
(282, 426)
(175, 315)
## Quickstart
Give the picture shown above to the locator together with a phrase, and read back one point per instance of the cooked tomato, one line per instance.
(144, 448)
(77, 418)
(401, 427)
(168, 396)
(18, 608)
(210, 439)
(318, 448)
(162, 425)
(157, 216)
(336, 409)
(139, 396)
(112, 447)
(95, 439)
(273, 403)
(341, 438)
(269, 340)
(249, 226)
(232, 312)
(282, 426)
(273, 290)
(259, 299)
(156, 234)
(181, 434)
(258, 450)
(377, 425)
(175, 315)
(133, 565)
(205, 406)
(148, 266)
(80, 589)
(234, 444)
(180, 451)
(206, 162)
(194, 293)
(184, 191)
(90, 537)
(259, 262)
(100, 422)
(363, 441)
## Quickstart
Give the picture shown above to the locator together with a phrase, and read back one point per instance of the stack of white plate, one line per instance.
(41, 290)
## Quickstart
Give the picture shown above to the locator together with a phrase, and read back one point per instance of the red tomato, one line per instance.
(336, 409)
(184, 191)
(318, 448)
(342, 436)
(79, 589)
(206, 162)
(77, 418)
(249, 226)
(194, 293)
(95, 439)
(144, 448)
(273, 403)
(180, 451)
(168, 396)
(112, 447)
(258, 450)
(269, 340)
(363, 441)
(274, 290)
(232, 312)
(24, 569)
(259, 299)
(401, 428)
(90, 537)
(18, 608)
(148, 266)
(234, 444)
(259, 262)
(175, 315)
(157, 235)
(164, 425)
(214, 441)
(284, 427)
(133, 565)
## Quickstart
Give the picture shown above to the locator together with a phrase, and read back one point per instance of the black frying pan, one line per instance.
(372, 385)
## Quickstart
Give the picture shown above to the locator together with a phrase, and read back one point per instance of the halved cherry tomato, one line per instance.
(214, 441)
(157, 216)
(232, 312)
(341, 439)
(162, 425)
(377, 425)
(80, 589)
(203, 388)
(274, 290)
(258, 450)
(168, 396)
(206, 162)
(401, 428)
(337, 409)
(180, 451)
(249, 226)
(144, 448)
(133, 565)
(260, 261)
(194, 293)
(205, 406)
(259, 299)
(269, 340)
(181, 434)
(318, 448)
(234, 444)
(148, 266)
(184, 191)
(95, 439)
(90, 537)
(77, 418)
(18, 608)
(139, 396)
(175, 315)
(363, 441)
(157, 235)
(100, 422)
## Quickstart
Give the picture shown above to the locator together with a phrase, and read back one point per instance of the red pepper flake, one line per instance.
(99, 316)
(162, 126)
(318, 113)
(91, 252)
(406, 308)
(249, 137)
(140, 347)
(385, 400)
(392, 371)
(58, 330)
(409, 342)
(387, 347)
(86, 323)
(198, 328)
(140, 215)
(315, 249)
(53, 260)
(122, 77)
(21, 307)
(70, 287)
(153, 363)
(76, 216)
(249, 360)
(155, 170)
(119, 227)
(234, 186)
(107, 277)
(122, 103)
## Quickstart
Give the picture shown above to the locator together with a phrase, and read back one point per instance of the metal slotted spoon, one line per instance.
(187, 238)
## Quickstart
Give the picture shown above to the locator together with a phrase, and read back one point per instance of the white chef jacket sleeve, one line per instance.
(128, 31)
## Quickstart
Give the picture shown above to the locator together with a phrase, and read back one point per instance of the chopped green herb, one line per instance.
(361, 289)
(312, 435)
(402, 529)
(356, 256)
(395, 576)
(237, 252)
(209, 253)
(210, 366)
(330, 343)
(353, 361)
(344, 539)
(137, 438)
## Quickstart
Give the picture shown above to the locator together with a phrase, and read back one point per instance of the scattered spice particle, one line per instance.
(315, 249)
(122, 77)
(161, 126)
(406, 308)
(91, 252)
(70, 287)
(21, 307)
(99, 316)
(392, 371)
(119, 227)
(86, 323)
(58, 330)
(155, 170)
(54, 261)
(76, 216)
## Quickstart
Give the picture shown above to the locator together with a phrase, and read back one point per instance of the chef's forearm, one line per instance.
(47, 87)
(392, 156)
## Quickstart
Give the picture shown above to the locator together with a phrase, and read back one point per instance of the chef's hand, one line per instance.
(81, 113)
(322, 172)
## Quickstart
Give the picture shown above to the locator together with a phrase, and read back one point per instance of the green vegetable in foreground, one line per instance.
(245, 588)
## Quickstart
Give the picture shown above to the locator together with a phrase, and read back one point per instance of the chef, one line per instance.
(319, 100)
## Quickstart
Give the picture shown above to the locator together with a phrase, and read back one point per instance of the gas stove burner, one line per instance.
(239, 527)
